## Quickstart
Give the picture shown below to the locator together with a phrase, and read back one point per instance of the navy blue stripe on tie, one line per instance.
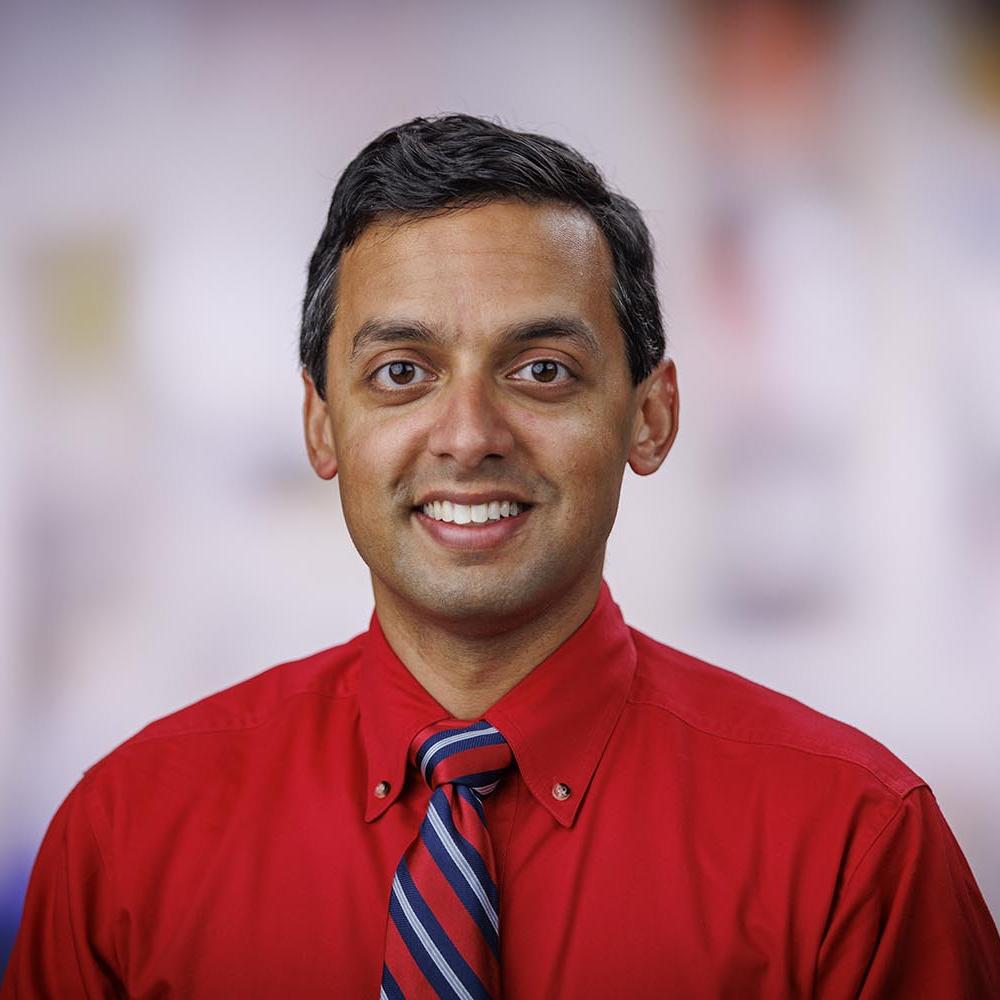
(390, 988)
(471, 883)
(443, 745)
(439, 960)
(469, 852)
(473, 799)
(432, 741)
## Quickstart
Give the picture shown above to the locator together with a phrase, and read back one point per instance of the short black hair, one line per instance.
(429, 165)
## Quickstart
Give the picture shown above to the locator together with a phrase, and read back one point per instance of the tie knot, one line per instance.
(473, 755)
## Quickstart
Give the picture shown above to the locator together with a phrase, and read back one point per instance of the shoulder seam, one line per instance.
(878, 836)
(140, 740)
(109, 869)
(830, 755)
(69, 902)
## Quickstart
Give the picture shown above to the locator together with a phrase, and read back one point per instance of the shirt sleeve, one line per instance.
(64, 946)
(910, 920)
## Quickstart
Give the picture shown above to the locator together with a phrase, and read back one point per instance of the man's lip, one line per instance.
(483, 496)
(472, 537)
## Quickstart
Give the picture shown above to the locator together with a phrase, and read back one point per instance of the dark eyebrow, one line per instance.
(554, 327)
(389, 331)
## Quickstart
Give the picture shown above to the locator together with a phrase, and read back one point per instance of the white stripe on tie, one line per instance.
(438, 959)
(463, 866)
(448, 740)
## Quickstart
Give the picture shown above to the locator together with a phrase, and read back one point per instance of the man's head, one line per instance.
(481, 338)
(432, 164)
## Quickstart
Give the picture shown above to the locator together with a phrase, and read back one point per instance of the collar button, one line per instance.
(560, 791)
(381, 790)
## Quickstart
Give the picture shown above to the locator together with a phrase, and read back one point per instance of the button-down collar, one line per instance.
(557, 719)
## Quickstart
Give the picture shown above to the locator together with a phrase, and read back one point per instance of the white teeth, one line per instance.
(477, 513)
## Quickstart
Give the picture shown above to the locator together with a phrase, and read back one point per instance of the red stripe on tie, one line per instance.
(404, 969)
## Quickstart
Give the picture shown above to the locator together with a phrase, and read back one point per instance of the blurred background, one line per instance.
(823, 184)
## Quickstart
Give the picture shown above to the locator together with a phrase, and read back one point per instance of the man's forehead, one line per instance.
(505, 257)
(513, 228)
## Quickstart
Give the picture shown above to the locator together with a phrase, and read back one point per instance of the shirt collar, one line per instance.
(557, 720)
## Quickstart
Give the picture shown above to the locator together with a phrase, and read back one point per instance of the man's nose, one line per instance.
(470, 425)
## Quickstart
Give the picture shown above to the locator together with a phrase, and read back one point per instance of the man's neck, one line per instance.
(467, 673)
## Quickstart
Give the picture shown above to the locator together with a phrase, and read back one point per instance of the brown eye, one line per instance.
(402, 372)
(399, 375)
(543, 371)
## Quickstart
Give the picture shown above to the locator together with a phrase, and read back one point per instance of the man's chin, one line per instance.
(473, 599)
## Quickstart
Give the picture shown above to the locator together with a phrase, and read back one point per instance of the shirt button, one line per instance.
(382, 789)
(561, 791)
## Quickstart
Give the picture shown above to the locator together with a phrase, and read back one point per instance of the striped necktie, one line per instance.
(442, 935)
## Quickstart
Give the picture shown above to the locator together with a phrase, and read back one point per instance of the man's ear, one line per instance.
(319, 431)
(655, 425)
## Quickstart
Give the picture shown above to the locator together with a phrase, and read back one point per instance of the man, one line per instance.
(500, 788)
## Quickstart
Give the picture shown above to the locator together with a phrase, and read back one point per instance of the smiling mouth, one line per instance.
(474, 513)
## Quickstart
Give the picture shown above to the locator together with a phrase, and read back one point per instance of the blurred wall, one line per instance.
(823, 185)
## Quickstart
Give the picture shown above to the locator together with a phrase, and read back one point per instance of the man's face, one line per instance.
(476, 369)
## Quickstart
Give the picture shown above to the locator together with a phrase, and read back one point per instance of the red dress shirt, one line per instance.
(719, 840)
